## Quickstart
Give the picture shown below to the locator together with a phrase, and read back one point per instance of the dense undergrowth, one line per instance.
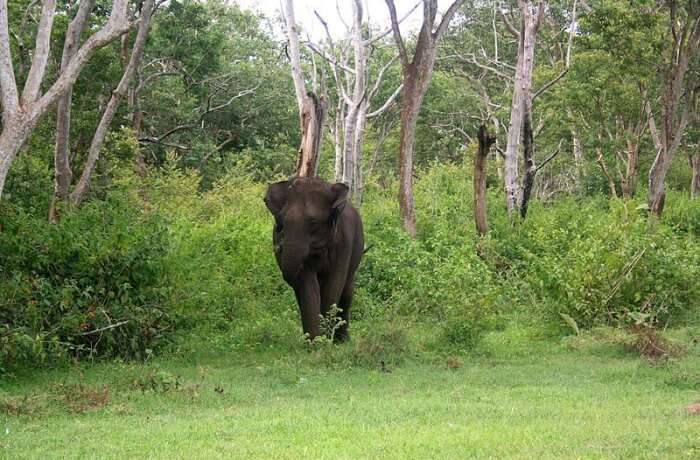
(149, 262)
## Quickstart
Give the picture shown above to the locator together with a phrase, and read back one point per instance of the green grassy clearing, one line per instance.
(514, 398)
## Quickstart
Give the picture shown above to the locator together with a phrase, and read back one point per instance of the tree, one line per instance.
(103, 126)
(62, 170)
(21, 113)
(485, 143)
(684, 38)
(311, 108)
(521, 105)
(354, 95)
(416, 74)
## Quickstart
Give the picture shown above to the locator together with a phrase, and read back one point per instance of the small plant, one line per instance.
(331, 322)
(159, 382)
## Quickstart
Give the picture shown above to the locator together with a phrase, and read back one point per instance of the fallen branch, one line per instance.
(106, 328)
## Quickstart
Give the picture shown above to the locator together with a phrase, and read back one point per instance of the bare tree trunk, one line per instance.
(358, 179)
(578, 157)
(416, 74)
(629, 183)
(522, 98)
(356, 101)
(63, 175)
(338, 139)
(311, 108)
(312, 123)
(103, 126)
(410, 107)
(530, 167)
(695, 182)
(485, 142)
(611, 182)
(9, 140)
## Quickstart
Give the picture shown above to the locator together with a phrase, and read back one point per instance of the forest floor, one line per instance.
(514, 397)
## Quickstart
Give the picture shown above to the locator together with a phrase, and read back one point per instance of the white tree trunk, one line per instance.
(522, 98)
(21, 115)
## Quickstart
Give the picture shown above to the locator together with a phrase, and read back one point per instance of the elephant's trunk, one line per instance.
(292, 260)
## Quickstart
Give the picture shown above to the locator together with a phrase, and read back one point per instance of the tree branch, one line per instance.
(116, 25)
(386, 104)
(509, 25)
(194, 124)
(41, 53)
(447, 17)
(397, 33)
(8, 85)
(550, 157)
(551, 83)
(389, 30)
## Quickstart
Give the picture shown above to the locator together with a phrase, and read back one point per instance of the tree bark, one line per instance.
(522, 99)
(63, 175)
(695, 182)
(674, 113)
(530, 167)
(629, 182)
(311, 108)
(578, 157)
(416, 75)
(604, 167)
(485, 142)
(358, 179)
(98, 138)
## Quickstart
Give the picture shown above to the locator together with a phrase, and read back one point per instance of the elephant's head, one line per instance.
(306, 211)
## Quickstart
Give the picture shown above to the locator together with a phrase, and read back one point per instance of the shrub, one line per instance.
(94, 284)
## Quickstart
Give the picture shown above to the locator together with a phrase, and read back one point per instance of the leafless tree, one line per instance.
(485, 143)
(416, 72)
(355, 96)
(521, 106)
(684, 33)
(520, 129)
(311, 108)
(22, 112)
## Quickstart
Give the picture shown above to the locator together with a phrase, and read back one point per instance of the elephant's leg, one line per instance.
(341, 335)
(309, 300)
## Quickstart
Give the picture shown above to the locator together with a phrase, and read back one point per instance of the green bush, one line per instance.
(167, 257)
(94, 284)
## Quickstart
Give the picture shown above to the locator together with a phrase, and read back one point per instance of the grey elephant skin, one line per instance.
(319, 242)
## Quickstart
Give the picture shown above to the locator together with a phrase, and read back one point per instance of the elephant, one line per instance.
(318, 243)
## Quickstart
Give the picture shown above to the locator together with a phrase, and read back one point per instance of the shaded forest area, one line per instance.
(138, 137)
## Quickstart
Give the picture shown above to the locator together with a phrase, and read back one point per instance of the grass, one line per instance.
(514, 397)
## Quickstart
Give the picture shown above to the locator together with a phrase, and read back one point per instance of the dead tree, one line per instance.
(520, 129)
(354, 97)
(22, 112)
(485, 143)
(416, 74)
(521, 106)
(311, 108)
(684, 33)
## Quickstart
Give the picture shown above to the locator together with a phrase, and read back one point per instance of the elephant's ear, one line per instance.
(340, 193)
(276, 197)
